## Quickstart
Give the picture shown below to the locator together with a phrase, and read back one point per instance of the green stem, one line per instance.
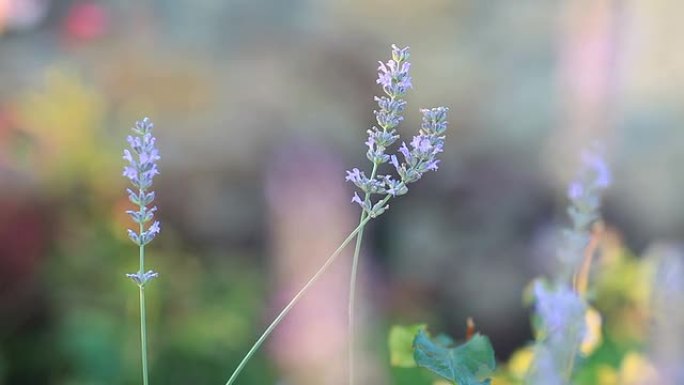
(293, 302)
(352, 296)
(143, 322)
(571, 364)
(352, 283)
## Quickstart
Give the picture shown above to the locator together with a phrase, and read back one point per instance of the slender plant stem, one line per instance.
(581, 283)
(581, 278)
(143, 322)
(294, 301)
(352, 284)
(352, 302)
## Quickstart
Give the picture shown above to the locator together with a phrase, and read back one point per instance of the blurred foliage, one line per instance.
(401, 345)
(63, 123)
(469, 363)
(615, 348)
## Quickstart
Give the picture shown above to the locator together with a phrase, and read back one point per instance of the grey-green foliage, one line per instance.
(467, 364)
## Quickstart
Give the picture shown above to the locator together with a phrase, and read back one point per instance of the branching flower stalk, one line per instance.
(142, 160)
(417, 160)
(560, 305)
(395, 80)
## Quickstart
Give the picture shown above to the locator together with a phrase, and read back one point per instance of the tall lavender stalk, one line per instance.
(142, 160)
(560, 305)
(417, 160)
(395, 80)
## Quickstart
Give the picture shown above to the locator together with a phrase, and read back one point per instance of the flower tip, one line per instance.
(155, 226)
(575, 191)
(400, 54)
(144, 125)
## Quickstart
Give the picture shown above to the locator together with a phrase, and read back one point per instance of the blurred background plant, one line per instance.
(265, 95)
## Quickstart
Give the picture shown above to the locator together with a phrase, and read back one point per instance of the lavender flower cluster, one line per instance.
(561, 313)
(142, 167)
(560, 309)
(585, 195)
(420, 158)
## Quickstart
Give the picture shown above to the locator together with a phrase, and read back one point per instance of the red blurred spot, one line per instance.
(86, 21)
(24, 236)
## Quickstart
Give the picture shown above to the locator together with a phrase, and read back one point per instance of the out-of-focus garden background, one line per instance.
(260, 106)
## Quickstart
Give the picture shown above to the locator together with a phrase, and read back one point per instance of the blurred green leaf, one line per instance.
(401, 345)
(466, 364)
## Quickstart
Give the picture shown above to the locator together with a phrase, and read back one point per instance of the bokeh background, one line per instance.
(260, 106)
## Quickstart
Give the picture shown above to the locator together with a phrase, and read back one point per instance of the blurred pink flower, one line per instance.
(85, 21)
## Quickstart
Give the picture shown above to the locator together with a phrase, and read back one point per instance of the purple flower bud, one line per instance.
(134, 236)
(595, 164)
(400, 54)
(434, 120)
(405, 151)
(559, 309)
(154, 229)
(584, 193)
(357, 199)
(395, 161)
(354, 176)
(575, 191)
(393, 76)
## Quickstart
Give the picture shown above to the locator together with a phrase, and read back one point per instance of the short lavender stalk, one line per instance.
(141, 169)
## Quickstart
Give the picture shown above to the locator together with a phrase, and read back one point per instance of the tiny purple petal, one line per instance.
(154, 229)
(405, 151)
(575, 190)
(357, 199)
(134, 236)
(395, 161)
(432, 165)
(130, 173)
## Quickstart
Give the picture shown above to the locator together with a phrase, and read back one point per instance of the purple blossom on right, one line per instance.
(560, 309)
(419, 157)
(584, 193)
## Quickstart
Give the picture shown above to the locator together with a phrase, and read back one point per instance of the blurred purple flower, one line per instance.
(561, 313)
(560, 310)
(594, 163)
(584, 193)
(575, 191)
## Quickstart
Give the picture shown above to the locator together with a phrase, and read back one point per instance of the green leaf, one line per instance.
(401, 345)
(466, 364)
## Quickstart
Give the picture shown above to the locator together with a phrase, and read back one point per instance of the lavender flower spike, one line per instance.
(422, 157)
(561, 308)
(141, 169)
(584, 193)
(395, 80)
